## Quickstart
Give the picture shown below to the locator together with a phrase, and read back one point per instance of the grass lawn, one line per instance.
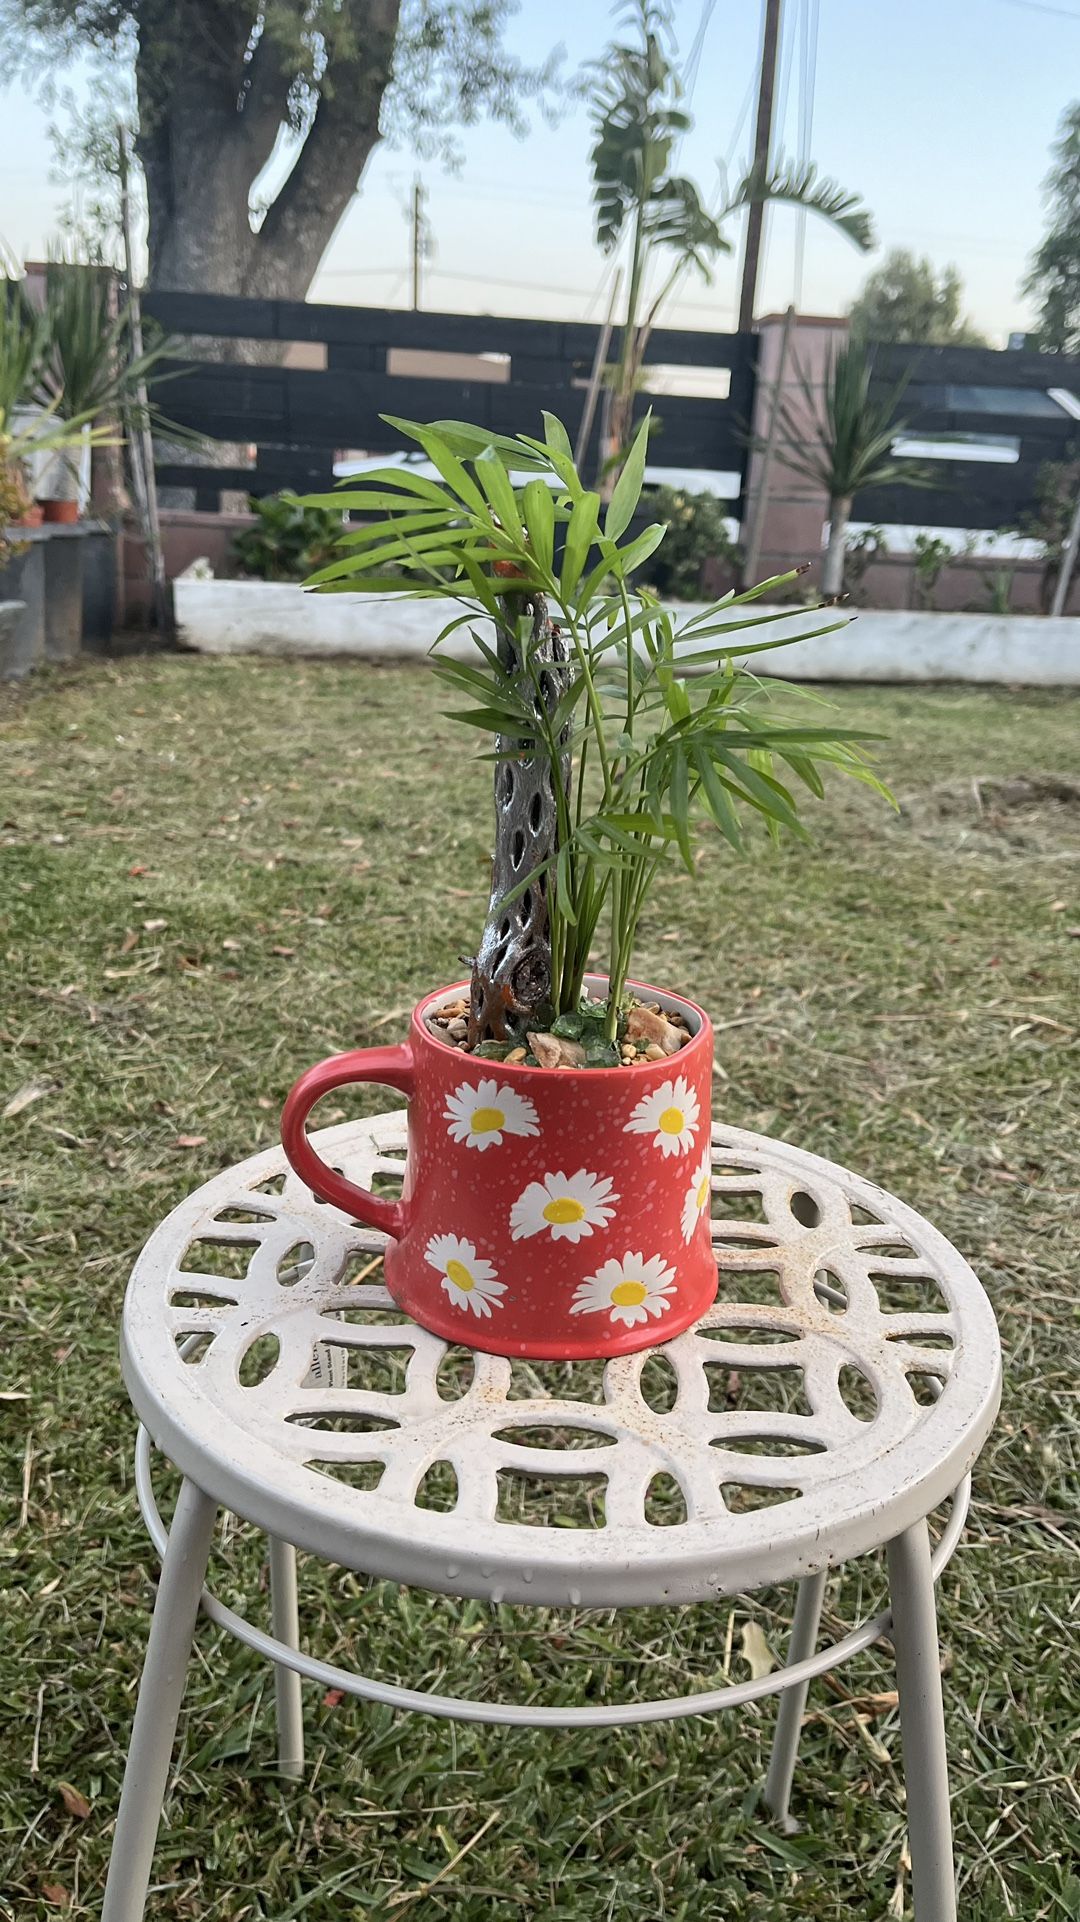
(214, 872)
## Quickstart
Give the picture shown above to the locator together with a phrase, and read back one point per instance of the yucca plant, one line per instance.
(840, 435)
(22, 346)
(618, 737)
(88, 366)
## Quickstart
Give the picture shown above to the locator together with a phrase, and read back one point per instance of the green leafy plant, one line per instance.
(931, 557)
(1047, 522)
(861, 550)
(24, 336)
(638, 119)
(87, 365)
(998, 587)
(22, 346)
(696, 539)
(643, 734)
(840, 435)
(289, 539)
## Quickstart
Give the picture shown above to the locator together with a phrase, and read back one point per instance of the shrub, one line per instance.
(288, 541)
(697, 546)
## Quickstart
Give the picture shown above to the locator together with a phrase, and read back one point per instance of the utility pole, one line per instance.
(770, 47)
(417, 238)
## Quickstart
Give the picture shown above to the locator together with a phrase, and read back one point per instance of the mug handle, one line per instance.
(393, 1068)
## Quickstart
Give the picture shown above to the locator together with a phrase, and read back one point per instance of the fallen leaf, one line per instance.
(154, 927)
(283, 950)
(190, 1141)
(233, 946)
(756, 1652)
(137, 869)
(55, 1893)
(130, 940)
(1057, 907)
(74, 1801)
(1074, 932)
(14, 1394)
(333, 1697)
(263, 1101)
(22, 1098)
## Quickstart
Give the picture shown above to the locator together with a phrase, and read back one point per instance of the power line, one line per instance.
(810, 23)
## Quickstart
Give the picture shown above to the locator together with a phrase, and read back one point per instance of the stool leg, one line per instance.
(160, 1691)
(922, 1726)
(285, 1622)
(785, 1748)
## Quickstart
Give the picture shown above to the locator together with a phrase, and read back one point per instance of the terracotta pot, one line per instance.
(549, 1212)
(63, 512)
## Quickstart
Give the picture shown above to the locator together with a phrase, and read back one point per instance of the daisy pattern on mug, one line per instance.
(480, 1116)
(670, 1114)
(627, 1291)
(696, 1199)
(564, 1206)
(469, 1280)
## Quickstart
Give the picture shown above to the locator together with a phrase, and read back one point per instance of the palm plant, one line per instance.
(840, 436)
(637, 121)
(616, 736)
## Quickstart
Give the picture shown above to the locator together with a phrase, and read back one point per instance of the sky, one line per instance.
(939, 113)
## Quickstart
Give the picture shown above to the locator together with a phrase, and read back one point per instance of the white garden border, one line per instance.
(276, 618)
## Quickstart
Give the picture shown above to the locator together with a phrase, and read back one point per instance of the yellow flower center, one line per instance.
(486, 1120)
(627, 1294)
(672, 1121)
(457, 1272)
(703, 1192)
(564, 1208)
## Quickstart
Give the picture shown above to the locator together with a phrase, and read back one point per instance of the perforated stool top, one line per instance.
(797, 1418)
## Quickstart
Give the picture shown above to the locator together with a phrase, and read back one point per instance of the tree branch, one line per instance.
(345, 128)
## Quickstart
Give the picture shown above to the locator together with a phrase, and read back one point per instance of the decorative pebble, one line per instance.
(647, 1024)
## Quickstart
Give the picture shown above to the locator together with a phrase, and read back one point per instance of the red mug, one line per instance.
(556, 1213)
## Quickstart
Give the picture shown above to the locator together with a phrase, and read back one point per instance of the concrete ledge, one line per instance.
(275, 618)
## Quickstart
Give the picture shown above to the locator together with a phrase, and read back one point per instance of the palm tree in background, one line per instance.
(841, 436)
(639, 117)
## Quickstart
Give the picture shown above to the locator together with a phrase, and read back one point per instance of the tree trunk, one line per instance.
(832, 579)
(511, 974)
(211, 110)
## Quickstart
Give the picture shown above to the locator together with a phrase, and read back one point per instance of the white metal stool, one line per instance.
(857, 1475)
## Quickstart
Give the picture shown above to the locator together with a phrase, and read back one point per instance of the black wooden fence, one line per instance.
(1007, 400)
(298, 418)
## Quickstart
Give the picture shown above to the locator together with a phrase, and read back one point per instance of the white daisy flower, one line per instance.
(469, 1281)
(564, 1206)
(482, 1116)
(670, 1114)
(696, 1201)
(629, 1290)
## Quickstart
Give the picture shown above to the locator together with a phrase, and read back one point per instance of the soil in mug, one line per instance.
(646, 1032)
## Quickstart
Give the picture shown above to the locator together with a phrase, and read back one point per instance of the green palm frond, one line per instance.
(799, 186)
